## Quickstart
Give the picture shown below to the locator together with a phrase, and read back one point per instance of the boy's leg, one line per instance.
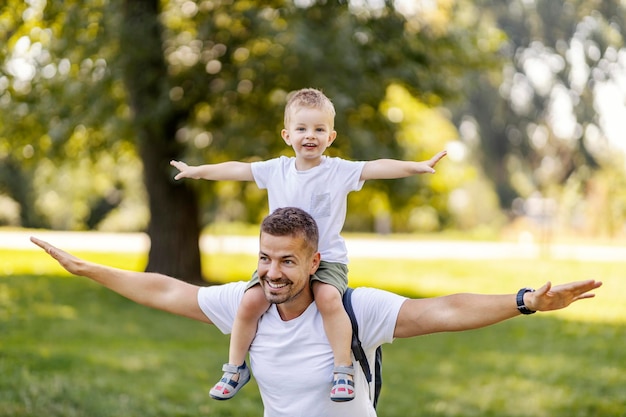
(253, 305)
(339, 333)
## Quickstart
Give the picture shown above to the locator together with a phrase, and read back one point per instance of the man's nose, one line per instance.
(274, 270)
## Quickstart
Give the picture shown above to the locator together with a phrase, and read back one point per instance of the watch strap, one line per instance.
(520, 301)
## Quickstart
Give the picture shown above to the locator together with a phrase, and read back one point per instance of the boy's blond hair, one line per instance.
(309, 98)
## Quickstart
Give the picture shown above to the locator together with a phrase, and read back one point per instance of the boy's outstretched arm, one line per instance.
(150, 289)
(387, 169)
(225, 171)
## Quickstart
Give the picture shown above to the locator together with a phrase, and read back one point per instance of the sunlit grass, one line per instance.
(14, 262)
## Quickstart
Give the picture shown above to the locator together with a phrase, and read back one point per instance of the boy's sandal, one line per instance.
(226, 388)
(343, 386)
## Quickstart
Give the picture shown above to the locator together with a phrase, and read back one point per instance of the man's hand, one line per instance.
(71, 263)
(549, 298)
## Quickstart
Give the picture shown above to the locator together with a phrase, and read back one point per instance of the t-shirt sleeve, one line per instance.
(351, 171)
(376, 312)
(220, 302)
(262, 170)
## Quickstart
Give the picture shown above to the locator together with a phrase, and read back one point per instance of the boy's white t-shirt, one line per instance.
(321, 191)
(292, 361)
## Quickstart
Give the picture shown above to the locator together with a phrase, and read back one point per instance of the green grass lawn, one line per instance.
(70, 348)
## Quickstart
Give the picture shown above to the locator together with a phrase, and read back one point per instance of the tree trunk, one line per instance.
(173, 229)
(174, 225)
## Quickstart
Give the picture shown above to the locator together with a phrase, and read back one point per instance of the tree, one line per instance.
(541, 120)
(173, 207)
(207, 81)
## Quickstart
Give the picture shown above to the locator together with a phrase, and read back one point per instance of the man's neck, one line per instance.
(294, 308)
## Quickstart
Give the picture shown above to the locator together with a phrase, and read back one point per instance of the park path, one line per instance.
(380, 247)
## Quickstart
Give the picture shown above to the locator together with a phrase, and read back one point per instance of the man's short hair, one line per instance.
(292, 221)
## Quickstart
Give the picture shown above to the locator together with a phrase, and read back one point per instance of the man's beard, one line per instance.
(283, 298)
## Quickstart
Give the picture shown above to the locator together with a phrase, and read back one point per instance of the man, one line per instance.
(290, 355)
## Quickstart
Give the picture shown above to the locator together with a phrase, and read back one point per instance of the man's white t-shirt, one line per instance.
(292, 361)
(321, 191)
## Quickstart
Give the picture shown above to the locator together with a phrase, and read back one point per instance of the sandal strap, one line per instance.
(343, 383)
(348, 370)
(233, 369)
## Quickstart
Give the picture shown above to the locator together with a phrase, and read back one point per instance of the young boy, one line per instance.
(319, 185)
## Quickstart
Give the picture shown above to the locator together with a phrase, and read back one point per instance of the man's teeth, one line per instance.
(276, 285)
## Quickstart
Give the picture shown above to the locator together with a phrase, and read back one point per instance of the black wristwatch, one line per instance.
(520, 301)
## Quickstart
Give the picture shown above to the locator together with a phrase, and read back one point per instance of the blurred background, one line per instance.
(527, 96)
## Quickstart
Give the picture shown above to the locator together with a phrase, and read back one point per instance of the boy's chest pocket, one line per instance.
(320, 205)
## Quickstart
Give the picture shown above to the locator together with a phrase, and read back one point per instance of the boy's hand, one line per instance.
(434, 160)
(428, 167)
(185, 170)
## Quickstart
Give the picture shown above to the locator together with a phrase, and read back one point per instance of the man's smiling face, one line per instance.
(285, 266)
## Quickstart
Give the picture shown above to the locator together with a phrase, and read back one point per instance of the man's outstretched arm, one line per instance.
(471, 311)
(150, 289)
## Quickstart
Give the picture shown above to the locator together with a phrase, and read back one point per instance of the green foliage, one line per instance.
(231, 64)
(62, 107)
(229, 68)
(457, 196)
(255, 54)
(548, 120)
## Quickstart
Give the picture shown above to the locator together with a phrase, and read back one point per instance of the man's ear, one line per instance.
(315, 262)
(285, 136)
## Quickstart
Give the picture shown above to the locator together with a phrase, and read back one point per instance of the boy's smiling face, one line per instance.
(309, 132)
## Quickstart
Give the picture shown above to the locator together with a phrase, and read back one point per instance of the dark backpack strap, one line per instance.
(359, 353)
(357, 349)
(378, 373)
